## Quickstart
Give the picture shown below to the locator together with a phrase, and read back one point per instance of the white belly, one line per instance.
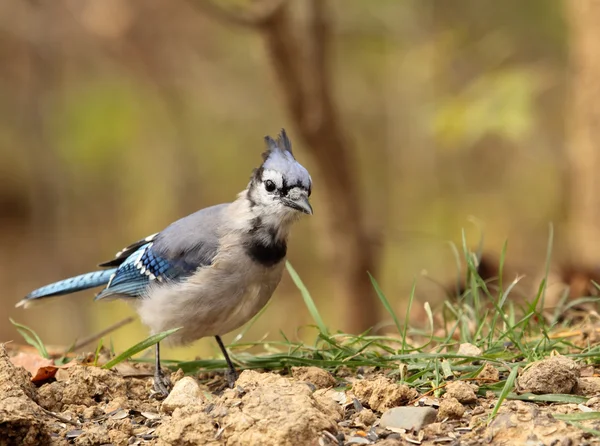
(214, 301)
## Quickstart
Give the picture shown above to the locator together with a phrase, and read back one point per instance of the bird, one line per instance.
(212, 271)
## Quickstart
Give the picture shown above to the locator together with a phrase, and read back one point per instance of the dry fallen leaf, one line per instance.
(41, 369)
(31, 362)
(44, 374)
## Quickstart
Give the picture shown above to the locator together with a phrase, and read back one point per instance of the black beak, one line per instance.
(300, 204)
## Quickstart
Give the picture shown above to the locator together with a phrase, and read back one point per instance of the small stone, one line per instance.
(467, 349)
(186, 392)
(365, 417)
(557, 374)
(408, 417)
(320, 378)
(462, 391)
(450, 408)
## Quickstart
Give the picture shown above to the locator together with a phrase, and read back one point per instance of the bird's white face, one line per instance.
(274, 197)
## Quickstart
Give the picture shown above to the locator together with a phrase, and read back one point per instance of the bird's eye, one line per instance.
(309, 191)
(270, 186)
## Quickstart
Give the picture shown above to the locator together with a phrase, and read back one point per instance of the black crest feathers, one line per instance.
(282, 143)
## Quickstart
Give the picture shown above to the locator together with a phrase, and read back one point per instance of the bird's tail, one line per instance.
(67, 286)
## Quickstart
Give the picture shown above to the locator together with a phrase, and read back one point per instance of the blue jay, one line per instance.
(212, 271)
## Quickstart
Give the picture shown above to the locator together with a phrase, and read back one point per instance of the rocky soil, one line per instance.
(87, 405)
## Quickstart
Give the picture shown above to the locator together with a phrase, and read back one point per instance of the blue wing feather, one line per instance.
(139, 270)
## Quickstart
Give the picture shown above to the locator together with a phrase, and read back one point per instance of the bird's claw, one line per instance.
(231, 375)
(162, 383)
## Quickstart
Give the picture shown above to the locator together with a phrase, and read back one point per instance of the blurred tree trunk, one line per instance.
(583, 117)
(299, 54)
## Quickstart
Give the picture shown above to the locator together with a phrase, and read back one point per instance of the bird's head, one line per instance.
(280, 187)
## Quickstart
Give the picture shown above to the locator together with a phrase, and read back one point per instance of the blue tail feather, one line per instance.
(71, 285)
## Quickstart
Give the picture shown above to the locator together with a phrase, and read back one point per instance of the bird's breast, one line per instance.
(214, 301)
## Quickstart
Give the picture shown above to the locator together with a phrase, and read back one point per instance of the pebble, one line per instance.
(186, 392)
(408, 417)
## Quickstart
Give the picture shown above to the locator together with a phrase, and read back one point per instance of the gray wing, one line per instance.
(173, 254)
(192, 241)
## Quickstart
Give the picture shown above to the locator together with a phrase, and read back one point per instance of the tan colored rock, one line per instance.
(186, 392)
(21, 420)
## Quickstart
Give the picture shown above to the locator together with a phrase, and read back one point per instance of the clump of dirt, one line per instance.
(320, 378)
(92, 386)
(366, 417)
(86, 405)
(461, 391)
(489, 373)
(519, 422)
(450, 408)
(264, 408)
(381, 393)
(557, 374)
(20, 417)
(589, 386)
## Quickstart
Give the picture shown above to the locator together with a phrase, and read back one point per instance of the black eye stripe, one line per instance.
(284, 190)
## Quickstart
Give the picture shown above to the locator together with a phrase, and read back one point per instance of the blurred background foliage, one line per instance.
(119, 117)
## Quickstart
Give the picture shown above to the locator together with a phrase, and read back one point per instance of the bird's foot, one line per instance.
(162, 383)
(231, 375)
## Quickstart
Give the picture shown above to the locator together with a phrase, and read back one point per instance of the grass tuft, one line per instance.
(31, 338)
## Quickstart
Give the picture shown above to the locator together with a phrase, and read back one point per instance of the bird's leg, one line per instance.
(231, 374)
(162, 383)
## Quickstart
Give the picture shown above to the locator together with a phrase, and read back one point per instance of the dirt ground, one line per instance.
(87, 405)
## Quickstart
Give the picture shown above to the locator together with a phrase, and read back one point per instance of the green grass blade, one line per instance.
(385, 302)
(31, 338)
(411, 299)
(148, 342)
(97, 353)
(508, 386)
(582, 416)
(308, 301)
